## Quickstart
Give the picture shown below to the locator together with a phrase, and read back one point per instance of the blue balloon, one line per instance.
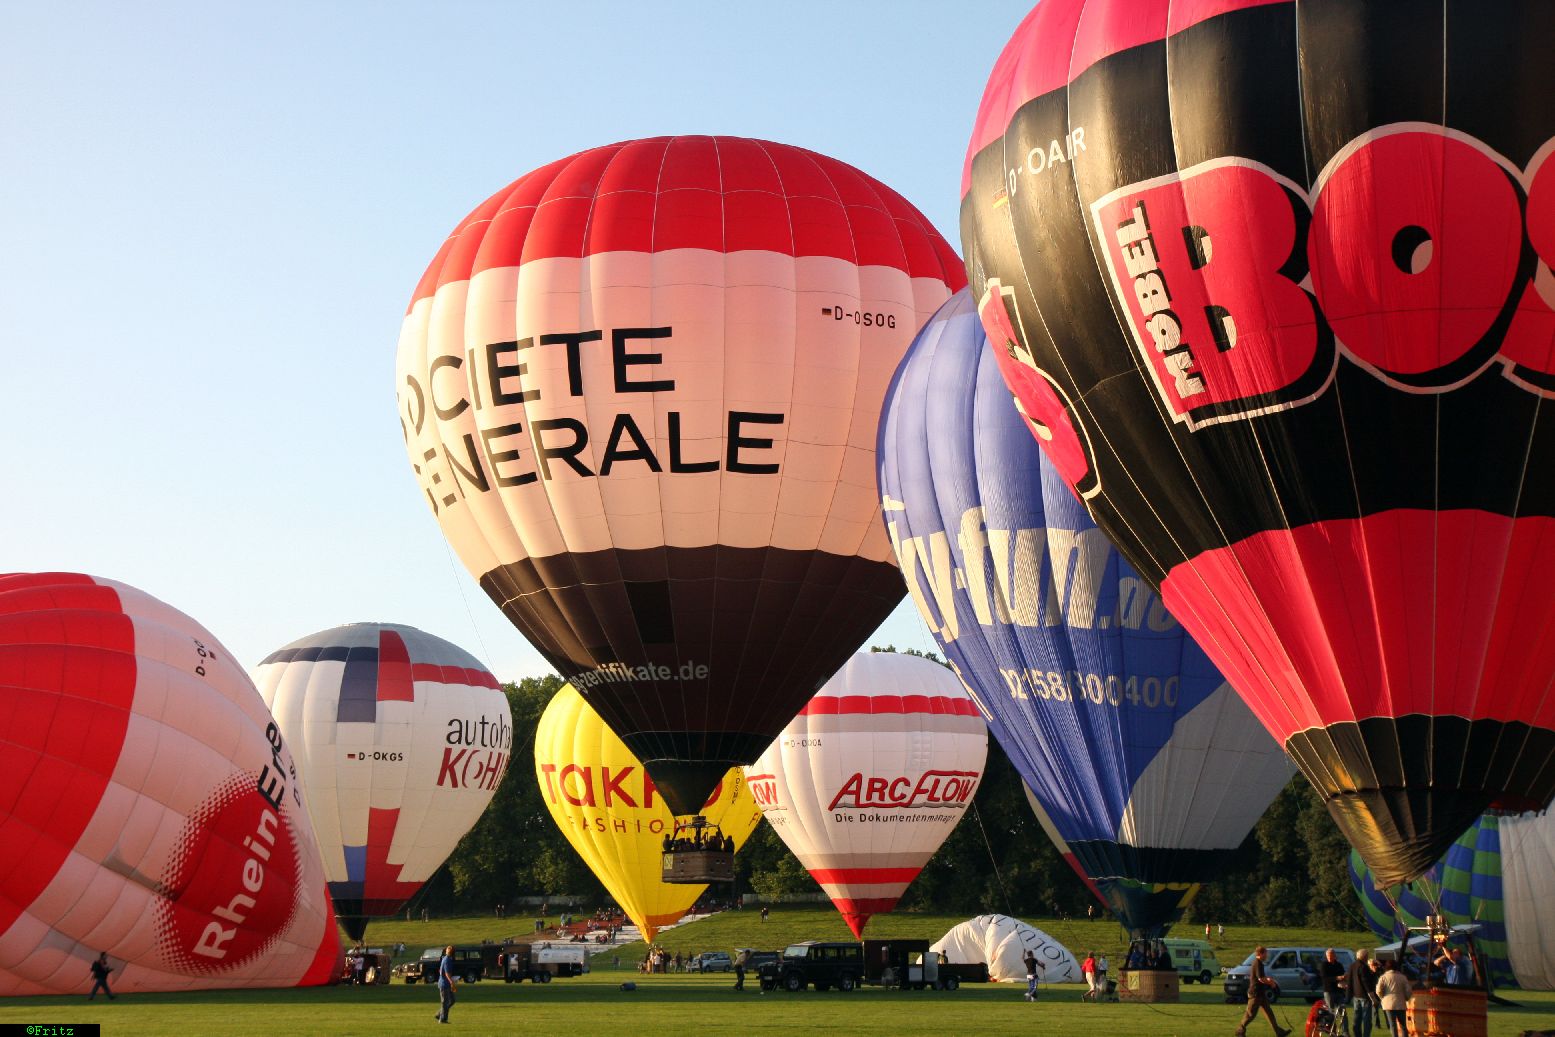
(1145, 760)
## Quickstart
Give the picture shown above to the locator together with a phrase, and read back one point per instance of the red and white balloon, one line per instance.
(149, 806)
(871, 776)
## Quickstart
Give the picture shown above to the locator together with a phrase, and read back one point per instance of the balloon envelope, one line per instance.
(639, 387)
(401, 740)
(1143, 759)
(1499, 875)
(871, 776)
(1273, 276)
(602, 799)
(1001, 942)
(148, 807)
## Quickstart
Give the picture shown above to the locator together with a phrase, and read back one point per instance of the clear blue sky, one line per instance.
(212, 216)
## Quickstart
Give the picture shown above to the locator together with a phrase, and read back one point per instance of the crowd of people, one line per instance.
(700, 839)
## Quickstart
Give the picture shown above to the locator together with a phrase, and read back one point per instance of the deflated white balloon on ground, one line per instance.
(1002, 942)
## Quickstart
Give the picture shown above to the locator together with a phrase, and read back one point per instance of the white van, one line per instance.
(1194, 960)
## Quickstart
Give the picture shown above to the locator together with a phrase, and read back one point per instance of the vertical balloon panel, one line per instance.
(639, 387)
(149, 805)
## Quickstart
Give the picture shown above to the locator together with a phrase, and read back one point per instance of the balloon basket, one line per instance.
(1150, 986)
(698, 867)
(697, 854)
(1447, 1012)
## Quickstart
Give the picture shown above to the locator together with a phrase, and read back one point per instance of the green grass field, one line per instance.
(684, 1005)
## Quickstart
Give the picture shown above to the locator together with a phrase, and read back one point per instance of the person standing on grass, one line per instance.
(100, 970)
(1360, 983)
(1101, 975)
(1258, 986)
(1334, 980)
(1393, 991)
(445, 983)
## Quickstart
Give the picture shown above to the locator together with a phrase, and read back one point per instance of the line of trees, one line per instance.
(1291, 870)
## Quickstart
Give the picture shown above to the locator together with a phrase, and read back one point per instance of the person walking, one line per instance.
(1360, 984)
(100, 970)
(1032, 965)
(1088, 970)
(445, 984)
(1393, 993)
(1258, 985)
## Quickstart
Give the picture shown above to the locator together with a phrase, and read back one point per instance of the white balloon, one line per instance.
(871, 776)
(401, 739)
(1002, 942)
(1528, 892)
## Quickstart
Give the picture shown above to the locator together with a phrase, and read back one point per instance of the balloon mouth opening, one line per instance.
(687, 785)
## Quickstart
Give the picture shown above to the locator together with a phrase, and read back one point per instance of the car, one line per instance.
(711, 961)
(755, 959)
(818, 964)
(1194, 960)
(468, 965)
(1295, 971)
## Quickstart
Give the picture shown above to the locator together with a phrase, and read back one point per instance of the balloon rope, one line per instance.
(1008, 909)
(453, 567)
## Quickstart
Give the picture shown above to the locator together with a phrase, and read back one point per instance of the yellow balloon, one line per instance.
(600, 796)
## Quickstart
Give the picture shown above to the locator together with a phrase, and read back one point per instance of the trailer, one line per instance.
(898, 964)
(910, 965)
(536, 962)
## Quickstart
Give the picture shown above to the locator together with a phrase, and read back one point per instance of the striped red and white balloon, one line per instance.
(149, 807)
(639, 387)
(871, 776)
(401, 740)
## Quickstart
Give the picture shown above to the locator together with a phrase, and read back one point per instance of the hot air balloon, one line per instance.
(1500, 876)
(602, 799)
(871, 776)
(1273, 278)
(401, 740)
(149, 807)
(1001, 942)
(1142, 757)
(639, 387)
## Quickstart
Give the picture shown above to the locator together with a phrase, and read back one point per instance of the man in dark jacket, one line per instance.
(1333, 975)
(1258, 985)
(1361, 985)
(100, 970)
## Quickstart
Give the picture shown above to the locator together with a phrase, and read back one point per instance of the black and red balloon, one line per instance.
(1272, 279)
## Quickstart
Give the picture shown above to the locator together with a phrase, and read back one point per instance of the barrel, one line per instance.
(1151, 985)
(1447, 1012)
